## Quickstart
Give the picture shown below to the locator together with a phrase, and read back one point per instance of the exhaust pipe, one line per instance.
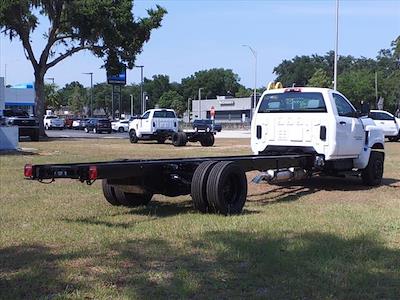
(271, 176)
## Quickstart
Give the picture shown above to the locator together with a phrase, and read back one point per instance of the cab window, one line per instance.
(146, 115)
(344, 108)
(380, 116)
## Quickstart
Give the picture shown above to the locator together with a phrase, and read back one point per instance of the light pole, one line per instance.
(131, 96)
(253, 103)
(200, 101)
(141, 88)
(336, 47)
(188, 109)
(91, 92)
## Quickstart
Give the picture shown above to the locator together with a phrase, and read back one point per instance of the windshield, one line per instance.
(292, 102)
(164, 114)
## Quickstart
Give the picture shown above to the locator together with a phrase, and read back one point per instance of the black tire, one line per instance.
(199, 186)
(179, 139)
(109, 132)
(109, 193)
(207, 140)
(373, 173)
(130, 199)
(227, 188)
(132, 136)
(121, 129)
(394, 138)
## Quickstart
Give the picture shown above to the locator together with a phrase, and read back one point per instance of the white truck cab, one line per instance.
(154, 124)
(319, 121)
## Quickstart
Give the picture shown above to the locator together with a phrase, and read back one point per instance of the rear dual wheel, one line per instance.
(207, 140)
(117, 197)
(219, 187)
(179, 139)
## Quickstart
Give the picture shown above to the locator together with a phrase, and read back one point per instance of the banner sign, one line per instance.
(117, 79)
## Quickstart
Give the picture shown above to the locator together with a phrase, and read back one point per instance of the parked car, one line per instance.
(388, 123)
(98, 125)
(206, 125)
(69, 121)
(120, 125)
(80, 124)
(53, 122)
(27, 125)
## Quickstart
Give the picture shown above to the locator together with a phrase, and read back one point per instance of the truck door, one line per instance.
(349, 129)
(145, 124)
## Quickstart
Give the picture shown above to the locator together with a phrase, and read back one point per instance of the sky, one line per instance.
(198, 35)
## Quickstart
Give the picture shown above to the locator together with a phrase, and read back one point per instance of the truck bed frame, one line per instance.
(217, 184)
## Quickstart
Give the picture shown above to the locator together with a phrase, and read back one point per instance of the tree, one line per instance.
(106, 28)
(76, 101)
(173, 100)
(155, 88)
(214, 82)
(52, 96)
(320, 79)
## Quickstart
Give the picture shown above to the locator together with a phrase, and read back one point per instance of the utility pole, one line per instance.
(336, 47)
(131, 96)
(200, 102)
(141, 88)
(91, 92)
(253, 103)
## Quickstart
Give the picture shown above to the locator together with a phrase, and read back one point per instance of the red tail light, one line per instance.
(28, 170)
(92, 172)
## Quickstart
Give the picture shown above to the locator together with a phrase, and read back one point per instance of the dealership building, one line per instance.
(21, 96)
(227, 109)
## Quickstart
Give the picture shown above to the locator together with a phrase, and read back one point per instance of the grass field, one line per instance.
(327, 239)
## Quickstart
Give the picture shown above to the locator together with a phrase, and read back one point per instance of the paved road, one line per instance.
(69, 133)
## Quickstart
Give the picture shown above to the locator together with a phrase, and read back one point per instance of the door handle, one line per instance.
(342, 123)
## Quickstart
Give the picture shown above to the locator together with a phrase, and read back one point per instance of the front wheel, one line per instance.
(373, 173)
(133, 137)
(121, 129)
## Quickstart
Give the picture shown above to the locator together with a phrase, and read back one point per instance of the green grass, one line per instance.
(330, 239)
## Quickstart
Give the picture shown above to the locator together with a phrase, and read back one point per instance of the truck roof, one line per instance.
(299, 89)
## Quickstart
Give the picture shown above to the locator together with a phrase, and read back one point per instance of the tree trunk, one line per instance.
(39, 100)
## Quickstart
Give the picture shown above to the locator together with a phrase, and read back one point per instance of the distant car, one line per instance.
(53, 122)
(206, 125)
(388, 123)
(98, 125)
(69, 121)
(120, 125)
(80, 124)
(27, 125)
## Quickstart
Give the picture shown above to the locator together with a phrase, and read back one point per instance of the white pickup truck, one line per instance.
(322, 122)
(161, 124)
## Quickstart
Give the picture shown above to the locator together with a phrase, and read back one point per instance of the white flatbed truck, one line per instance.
(295, 133)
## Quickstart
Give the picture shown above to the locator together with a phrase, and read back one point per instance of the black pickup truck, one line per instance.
(27, 125)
